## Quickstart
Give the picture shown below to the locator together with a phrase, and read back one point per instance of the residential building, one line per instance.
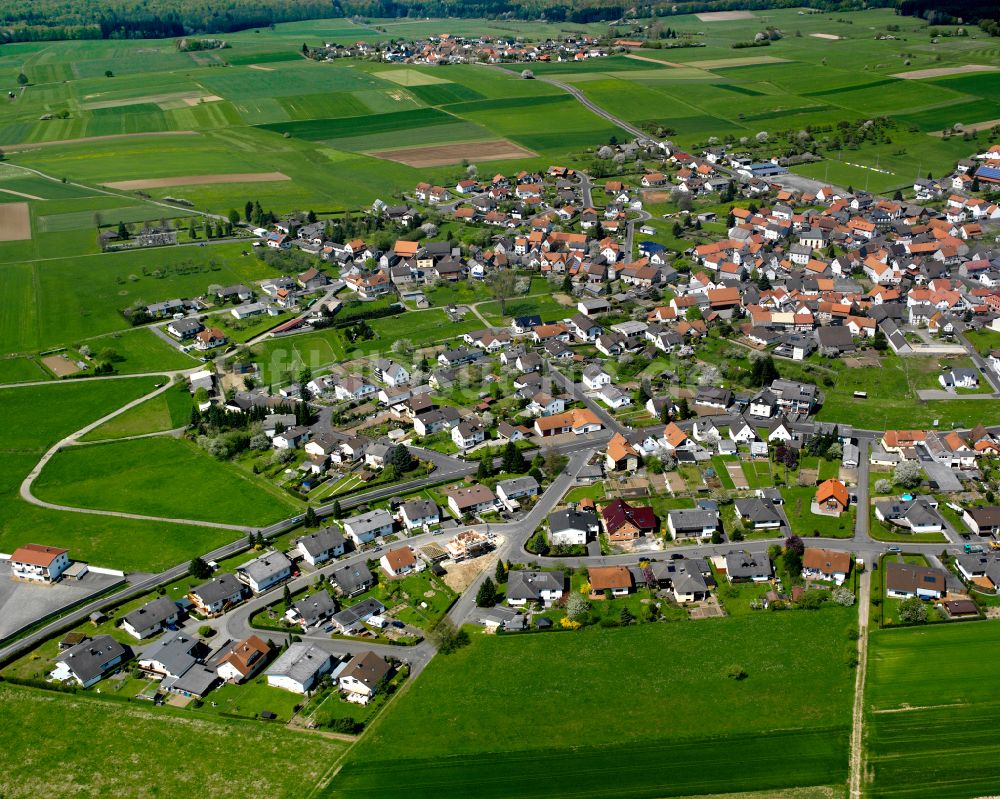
(826, 564)
(36, 563)
(321, 546)
(544, 588)
(217, 595)
(364, 674)
(265, 571)
(151, 618)
(242, 660)
(471, 500)
(366, 527)
(571, 527)
(299, 668)
(89, 662)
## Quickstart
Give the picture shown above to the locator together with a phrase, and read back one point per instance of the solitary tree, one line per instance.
(577, 608)
(502, 284)
(486, 597)
(199, 569)
(310, 520)
(22, 79)
(501, 572)
(485, 469)
(912, 611)
(336, 511)
(907, 474)
(286, 596)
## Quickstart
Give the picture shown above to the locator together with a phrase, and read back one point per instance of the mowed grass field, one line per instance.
(159, 477)
(930, 725)
(87, 743)
(45, 414)
(638, 712)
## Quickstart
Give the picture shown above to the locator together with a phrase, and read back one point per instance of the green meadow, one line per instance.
(107, 734)
(46, 414)
(595, 734)
(160, 477)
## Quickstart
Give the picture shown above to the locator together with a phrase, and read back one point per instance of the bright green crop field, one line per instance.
(675, 725)
(931, 728)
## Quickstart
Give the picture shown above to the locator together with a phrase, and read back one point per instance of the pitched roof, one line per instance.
(36, 554)
(605, 578)
(826, 561)
(834, 489)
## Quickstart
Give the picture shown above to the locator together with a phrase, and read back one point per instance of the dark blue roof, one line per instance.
(988, 172)
(651, 246)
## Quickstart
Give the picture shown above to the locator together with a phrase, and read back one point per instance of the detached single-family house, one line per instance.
(692, 523)
(826, 564)
(368, 526)
(572, 527)
(905, 580)
(745, 567)
(151, 618)
(419, 512)
(215, 596)
(299, 668)
(400, 562)
(241, 660)
(265, 571)
(616, 579)
(89, 662)
(534, 586)
(363, 676)
(321, 546)
(471, 500)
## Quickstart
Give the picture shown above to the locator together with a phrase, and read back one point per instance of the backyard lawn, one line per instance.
(806, 524)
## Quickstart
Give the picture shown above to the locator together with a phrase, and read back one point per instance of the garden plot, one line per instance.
(445, 154)
(736, 474)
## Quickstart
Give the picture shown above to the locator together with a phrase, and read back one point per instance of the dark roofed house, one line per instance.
(151, 618)
(363, 676)
(352, 578)
(624, 522)
(89, 662)
(534, 586)
(904, 580)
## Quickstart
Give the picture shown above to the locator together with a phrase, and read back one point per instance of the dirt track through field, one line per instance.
(635, 57)
(198, 180)
(940, 72)
(21, 194)
(83, 139)
(445, 154)
(15, 222)
(260, 68)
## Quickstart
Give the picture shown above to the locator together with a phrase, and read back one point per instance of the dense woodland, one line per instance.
(31, 20)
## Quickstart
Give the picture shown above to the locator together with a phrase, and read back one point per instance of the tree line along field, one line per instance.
(930, 726)
(675, 726)
(46, 414)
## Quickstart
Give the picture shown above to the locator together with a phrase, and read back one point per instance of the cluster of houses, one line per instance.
(447, 48)
(185, 665)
